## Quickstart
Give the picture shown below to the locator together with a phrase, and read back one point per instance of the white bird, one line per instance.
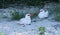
(26, 20)
(43, 13)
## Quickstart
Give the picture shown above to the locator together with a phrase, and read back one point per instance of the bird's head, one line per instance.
(29, 15)
(41, 10)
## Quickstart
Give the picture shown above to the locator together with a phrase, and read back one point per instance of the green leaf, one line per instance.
(16, 15)
(42, 29)
(1, 33)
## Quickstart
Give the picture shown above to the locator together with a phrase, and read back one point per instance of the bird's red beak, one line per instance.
(31, 14)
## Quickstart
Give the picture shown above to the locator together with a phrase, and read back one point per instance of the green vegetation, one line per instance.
(7, 3)
(41, 30)
(57, 18)
(16, 15)
(1, 33)
(5, 17)
(56, 13)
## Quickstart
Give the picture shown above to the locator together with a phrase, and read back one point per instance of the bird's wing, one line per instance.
(22, 19)
(46, 14)
(41, 14)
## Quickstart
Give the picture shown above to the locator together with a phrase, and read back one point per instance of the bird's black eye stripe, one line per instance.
(28, 15)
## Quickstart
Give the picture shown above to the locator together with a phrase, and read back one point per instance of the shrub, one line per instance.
(16, 15)
(41, 30)
(1, 33)
(57, 18)
(56, 13)
(8, 3)
(5, 17)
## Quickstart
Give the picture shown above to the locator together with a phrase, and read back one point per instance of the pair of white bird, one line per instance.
(27, 19)
(43, 13)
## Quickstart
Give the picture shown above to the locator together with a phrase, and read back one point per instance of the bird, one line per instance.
(43, 13)
(26, 20)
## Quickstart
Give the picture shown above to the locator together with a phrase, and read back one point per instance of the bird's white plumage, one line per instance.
(43, 13)
(25, 20)
(46, 14)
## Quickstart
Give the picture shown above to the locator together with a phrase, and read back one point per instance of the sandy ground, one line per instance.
(12, 28)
